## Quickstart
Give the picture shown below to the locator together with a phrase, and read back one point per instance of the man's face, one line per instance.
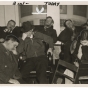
(48, 22)
(11, 45)
(69, 24)
(29, 33)
(11, 25)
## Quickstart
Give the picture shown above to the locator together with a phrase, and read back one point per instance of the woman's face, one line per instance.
(84, 42)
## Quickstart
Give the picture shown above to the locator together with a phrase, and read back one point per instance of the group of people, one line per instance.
(74, 43)
(27, 43)
(31, 45)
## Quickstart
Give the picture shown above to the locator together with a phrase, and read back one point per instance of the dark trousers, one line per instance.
(67, 54)
(40, 64)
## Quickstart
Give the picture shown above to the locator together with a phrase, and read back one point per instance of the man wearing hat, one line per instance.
(33, 48)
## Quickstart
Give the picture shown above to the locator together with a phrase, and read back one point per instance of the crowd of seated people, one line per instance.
(25, 43)
(31, 44)
(75, 43)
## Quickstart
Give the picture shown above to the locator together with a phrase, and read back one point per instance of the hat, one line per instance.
(26, 26)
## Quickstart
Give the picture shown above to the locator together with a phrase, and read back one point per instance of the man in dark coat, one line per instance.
(9, 29)
(48, 30)
(69, 34)
(8, 63)
(17, 31)
(4, 31)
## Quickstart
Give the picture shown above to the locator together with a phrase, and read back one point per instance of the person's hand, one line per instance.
(76, 64)
(23, 58)
(30, 35)
(17, 76)
(50, 50)
(14, 52)
(24, 35)
(14, 81)
(79, 55)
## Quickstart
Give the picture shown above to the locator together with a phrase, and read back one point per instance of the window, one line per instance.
(26, 10)
(42, 21)
(63, 9)
(80, 10)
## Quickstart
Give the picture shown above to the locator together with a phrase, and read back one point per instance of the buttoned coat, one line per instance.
(8, 65)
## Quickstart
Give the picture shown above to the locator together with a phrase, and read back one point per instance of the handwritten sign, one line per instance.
(52, 3)
(41, 11)
(21, 3)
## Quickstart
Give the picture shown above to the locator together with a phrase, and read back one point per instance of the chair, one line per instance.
(49, 70)
(82, 74)
(60, 72)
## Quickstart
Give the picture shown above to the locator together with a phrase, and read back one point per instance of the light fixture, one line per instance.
(39, 11)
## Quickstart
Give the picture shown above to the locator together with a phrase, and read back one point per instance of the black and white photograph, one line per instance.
(43, 43)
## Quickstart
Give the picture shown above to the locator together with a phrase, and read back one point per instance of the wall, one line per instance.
(51, 11)
(8, 12)
(54, 12)
(35, 17)
(77, 20)
(2, 16)
(70, 15)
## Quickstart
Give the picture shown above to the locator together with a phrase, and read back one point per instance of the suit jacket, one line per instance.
(66, 34)
(34, 47)
(16, 31)
(8, 65)
(49, 31)
(2, 33)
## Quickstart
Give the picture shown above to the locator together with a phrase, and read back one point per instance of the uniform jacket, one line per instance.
(16, 31)
(8, 65)
(35, 47)
(2, 33)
